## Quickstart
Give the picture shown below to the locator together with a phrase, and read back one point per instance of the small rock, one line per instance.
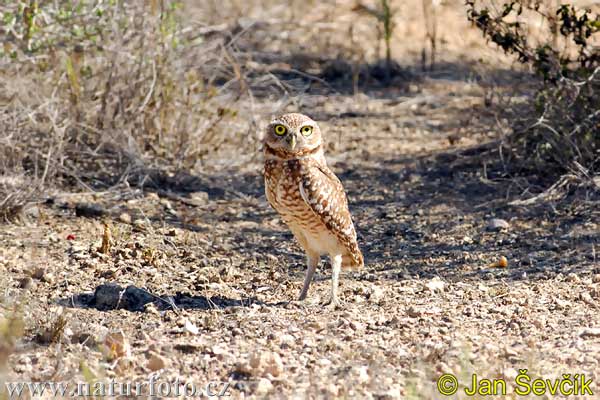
(38, 273)
(84, 338)
(32, 212)
(287, 340)
(497, 224)
(435, 284)
(116, 345)
(166, 204)
(590, 333)
(363, 374)
(198, 199)
(266, 362)
(561, 304)
(263, 386)
(150, 308)
(48, 278)
(332, 390)
(467, 240)
(572, 277)
(415, 178)
(219, 351)
(243, 368)
(587, 299)
(139, 225)
(596, 278)
(172, 232)
(191, 328)
(89, 210)
(111, 296)
(274, 365)
(377, 295)
(25, 283)
(125, 218)
(413, 312)
(323, 362)
(156, 362)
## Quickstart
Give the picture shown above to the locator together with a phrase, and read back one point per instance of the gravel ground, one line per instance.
(212, 272)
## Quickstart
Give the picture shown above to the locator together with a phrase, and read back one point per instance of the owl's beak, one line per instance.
(292, 141)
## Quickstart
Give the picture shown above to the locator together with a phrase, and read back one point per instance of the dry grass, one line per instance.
(102, 89)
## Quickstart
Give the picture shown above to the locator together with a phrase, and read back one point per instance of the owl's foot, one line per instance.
(334, 303)
(294, 304)
(299, 304)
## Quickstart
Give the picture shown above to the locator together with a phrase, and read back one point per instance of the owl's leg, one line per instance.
(312, 260)
(336, 266)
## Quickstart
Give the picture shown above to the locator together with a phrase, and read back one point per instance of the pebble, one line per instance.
(497, 224)
(117, 345)
(25, 283)
(435, 284)
(590, 333)
(572, 277)
(199, 198)
(323, 362)
(89, 210)
(266, 362)
(377, 295)
(110, 296)
(413, 312)
(287, 340)
(48, 278)
(139, 224)
(156, 362)
(263, 386)
(38, 273)
(125, 218)
(191, 328)
(166, 204)
(32, 212)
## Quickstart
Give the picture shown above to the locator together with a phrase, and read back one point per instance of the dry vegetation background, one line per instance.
(130, 154)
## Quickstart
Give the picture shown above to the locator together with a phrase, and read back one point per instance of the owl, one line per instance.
(309, 197)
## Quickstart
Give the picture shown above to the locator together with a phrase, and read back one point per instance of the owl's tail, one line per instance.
(353, 259)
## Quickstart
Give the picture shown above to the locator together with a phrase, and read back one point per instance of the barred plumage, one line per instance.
(308, 196)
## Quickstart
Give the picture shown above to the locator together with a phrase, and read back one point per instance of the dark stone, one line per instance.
(89, 210)
(111, 296)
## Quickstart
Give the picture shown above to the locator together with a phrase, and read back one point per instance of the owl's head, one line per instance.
(293, 134)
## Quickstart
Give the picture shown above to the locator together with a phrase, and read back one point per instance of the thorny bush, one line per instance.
(98, 87)
(565, 132)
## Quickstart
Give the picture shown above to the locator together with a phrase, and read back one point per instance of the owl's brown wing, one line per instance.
(324, 194)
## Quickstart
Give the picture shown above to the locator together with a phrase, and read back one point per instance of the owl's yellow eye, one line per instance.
(306, 130)
(280, 130)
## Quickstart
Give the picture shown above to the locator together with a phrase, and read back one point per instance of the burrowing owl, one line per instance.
(309, 197)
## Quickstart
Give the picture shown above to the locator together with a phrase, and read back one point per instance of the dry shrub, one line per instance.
(91, 89)
(22, 168)
(560, 43)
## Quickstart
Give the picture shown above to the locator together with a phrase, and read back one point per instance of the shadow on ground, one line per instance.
(111, 296)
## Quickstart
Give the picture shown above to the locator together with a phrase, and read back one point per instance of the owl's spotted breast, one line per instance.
(312, 202)
(282, 180)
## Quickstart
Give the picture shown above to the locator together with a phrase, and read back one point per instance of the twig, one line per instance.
(151, 90)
